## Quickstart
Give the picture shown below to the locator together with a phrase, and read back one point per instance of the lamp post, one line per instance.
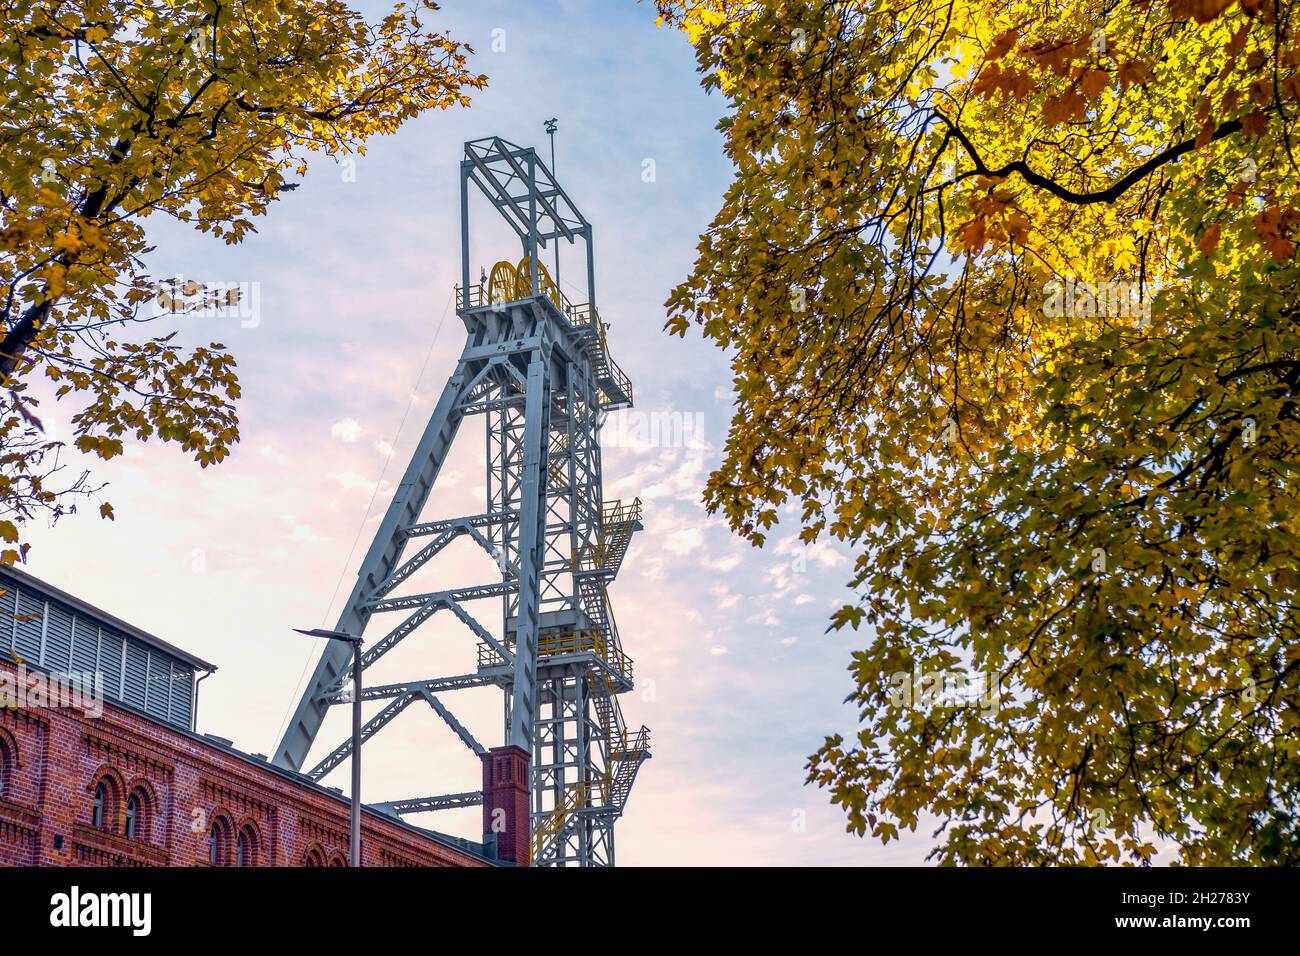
(354, 850)
(551, 126)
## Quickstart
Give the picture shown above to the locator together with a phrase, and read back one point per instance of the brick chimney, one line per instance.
(505, 803)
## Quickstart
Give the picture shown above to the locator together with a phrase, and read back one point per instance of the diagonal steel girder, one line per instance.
(372, 727)
(504, 200)
(542, 199)
(476, 521)
(419, 560)
(493, 150)
(384, 718)
(389, 641)
(432, 604)
(384, 554)
(461, 731)
(431, 550)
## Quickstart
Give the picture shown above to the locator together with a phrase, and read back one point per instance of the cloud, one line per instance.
(673, 473)
(346, 430)
(351, 481)
(826, 555)
(684, 541)
(822, 553)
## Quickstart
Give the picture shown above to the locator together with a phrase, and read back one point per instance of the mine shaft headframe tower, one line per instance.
(538, 367)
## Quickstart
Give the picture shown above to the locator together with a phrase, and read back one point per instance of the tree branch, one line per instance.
(1107, 195)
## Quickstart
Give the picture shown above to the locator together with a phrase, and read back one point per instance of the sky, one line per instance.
(345, 342)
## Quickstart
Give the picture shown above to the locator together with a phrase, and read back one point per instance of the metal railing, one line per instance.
(616, 531)
(513, 283)
(615, 512)
(489, 656)
(479, 296)
(579, 316)
(623, 757)
(553, 645)
(622, 383)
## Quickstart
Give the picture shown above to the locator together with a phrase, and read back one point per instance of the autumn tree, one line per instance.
(1011, 290)
(112, 111)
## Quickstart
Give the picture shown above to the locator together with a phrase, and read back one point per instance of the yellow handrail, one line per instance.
(509, 282)
(614, 515)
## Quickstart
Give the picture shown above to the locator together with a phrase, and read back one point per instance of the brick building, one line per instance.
(126, 781)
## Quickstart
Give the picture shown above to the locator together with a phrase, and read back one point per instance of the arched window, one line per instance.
(6, 768)
(98, 814)
(337, 860)
(315, 857)
(219, 843)
(246, 848)
(139, 813)
(106, 800)
(133, 812)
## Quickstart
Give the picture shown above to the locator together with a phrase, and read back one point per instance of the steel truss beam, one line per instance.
(435, 686)
(447, 801)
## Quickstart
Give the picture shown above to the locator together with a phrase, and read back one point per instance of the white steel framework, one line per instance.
(538, 367)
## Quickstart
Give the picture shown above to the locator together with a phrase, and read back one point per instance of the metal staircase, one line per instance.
(606, 795)
(594, 567)
(618, 523)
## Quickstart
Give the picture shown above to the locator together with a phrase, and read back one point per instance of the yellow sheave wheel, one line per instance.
(545, 284)
(503, 283)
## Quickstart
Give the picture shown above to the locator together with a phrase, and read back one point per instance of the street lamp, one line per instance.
(354, 852)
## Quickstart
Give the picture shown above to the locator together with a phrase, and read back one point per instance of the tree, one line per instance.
(1011, 291)
(111, 112)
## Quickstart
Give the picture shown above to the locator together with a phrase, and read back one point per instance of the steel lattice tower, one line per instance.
(538, 366)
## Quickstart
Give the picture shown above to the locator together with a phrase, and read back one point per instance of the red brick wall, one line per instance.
(55, 758)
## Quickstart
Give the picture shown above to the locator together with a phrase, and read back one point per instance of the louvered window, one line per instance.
(182, 695)
(57, 655)
(136, 681)
(29, 621)
(85, 647)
